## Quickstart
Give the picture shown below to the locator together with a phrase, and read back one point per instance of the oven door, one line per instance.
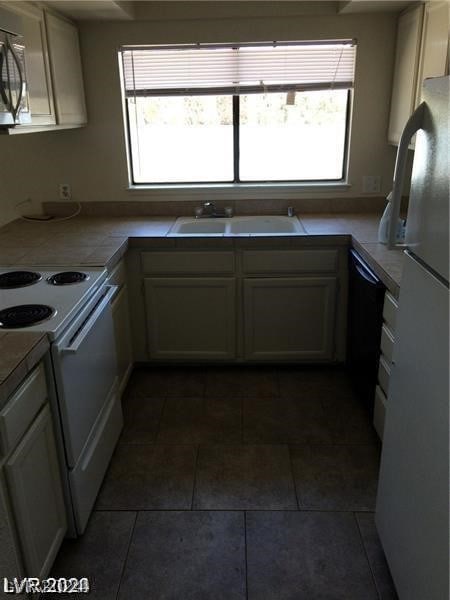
(85, 366)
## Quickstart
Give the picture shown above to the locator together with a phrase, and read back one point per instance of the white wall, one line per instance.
(93, 159)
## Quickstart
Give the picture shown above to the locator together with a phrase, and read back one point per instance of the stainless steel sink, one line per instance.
(238, 226)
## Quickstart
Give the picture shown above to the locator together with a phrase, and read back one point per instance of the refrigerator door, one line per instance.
(412, 513)
(427, 232)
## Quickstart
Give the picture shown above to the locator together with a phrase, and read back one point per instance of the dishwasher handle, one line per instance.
(363, 270)
(366, 275)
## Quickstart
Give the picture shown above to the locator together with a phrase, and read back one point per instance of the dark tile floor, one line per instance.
(237, 483)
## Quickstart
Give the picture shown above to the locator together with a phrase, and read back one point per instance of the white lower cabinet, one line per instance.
(121, 318)
(33, 487)
(120, 312)
(190, 318)
(34, 482)
(289, 318)
(254, 303)
(10, 563)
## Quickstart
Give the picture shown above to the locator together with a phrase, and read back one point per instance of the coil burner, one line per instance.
(25, 315)
(18, 279)
(67, 278)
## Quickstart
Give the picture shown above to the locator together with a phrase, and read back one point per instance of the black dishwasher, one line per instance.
(365, 318)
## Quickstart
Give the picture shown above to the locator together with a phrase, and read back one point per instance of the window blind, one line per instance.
(242, 69)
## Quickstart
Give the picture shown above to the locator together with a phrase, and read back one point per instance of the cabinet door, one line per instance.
(191, 318)
(405, 69)
(37, 63)
(122, 336)
(434, 51)
(10, 565)
(289, 319)
(35, 488)
(65, 63)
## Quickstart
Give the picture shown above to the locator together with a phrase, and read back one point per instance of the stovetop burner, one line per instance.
(17, 279)
(24, 315)
(67, 278)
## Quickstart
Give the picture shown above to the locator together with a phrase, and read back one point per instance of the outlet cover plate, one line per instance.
(371, 184)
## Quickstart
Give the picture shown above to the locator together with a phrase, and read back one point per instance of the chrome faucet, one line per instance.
(208, 209)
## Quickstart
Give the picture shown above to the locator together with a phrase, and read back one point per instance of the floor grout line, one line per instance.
(242, 420)
(255, 510)
(297, 495)
(366, 554)
(246, 554)
(194, 482)
(127, 554)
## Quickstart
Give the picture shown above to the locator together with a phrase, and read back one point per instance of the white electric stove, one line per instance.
(73, 306)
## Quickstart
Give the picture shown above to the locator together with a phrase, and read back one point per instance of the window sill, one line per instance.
(232, 191)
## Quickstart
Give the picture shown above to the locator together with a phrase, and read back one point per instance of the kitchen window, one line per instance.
(251, 113)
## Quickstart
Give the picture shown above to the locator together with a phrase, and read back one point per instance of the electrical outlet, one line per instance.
(372, 184)
(65, 193)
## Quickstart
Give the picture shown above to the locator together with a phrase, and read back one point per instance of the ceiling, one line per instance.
(125, 10)
(353, 6)
(95, 10)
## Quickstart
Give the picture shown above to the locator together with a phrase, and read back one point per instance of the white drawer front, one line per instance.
(289, 261)
(187, 263)
(21, 408)
(390, 311)
(387, 343)
(384, 373)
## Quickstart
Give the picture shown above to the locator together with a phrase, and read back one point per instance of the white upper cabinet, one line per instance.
(435, 43)
(405, 71)
(53, 69)
(421, 52)
(65, 63)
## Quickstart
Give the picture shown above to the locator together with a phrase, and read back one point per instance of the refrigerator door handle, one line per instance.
(413, 124)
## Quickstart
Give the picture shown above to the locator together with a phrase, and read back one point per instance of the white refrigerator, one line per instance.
(412, 511)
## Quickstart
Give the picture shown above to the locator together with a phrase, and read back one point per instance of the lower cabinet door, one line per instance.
(191, 318)
(34, 484)
(122, 336)
(289, 319)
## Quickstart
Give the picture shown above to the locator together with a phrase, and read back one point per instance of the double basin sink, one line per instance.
(254, 225)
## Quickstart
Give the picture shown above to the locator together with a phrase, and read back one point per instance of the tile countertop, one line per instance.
(19, 353)
(102, 241)
(363, 229)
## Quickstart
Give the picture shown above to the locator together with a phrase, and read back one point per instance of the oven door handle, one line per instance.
(91, 320)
